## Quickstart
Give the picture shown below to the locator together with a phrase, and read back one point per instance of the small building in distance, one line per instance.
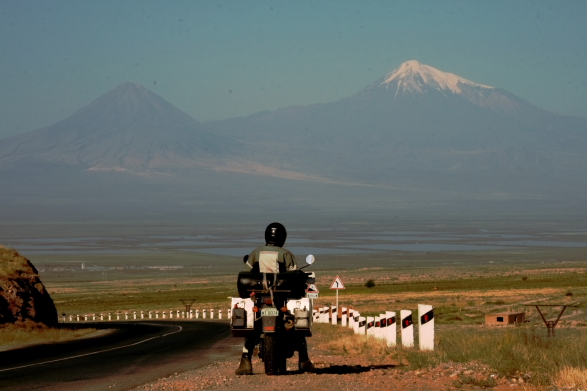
(505, 318)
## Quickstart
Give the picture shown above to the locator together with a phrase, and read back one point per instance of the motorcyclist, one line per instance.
(272, 258)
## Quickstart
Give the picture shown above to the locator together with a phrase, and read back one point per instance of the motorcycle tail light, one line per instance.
(255, 309)
(269, 328)
(267, 301)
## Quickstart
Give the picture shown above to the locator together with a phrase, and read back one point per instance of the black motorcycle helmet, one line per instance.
(275, 234)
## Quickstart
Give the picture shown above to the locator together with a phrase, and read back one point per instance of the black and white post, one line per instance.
(426, 326)
(407, 328)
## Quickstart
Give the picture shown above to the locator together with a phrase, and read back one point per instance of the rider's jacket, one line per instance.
(271, 259)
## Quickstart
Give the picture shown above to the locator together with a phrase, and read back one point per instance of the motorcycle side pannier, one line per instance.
(301, 309)
(242, 318)
(239, 318)
(302, 319)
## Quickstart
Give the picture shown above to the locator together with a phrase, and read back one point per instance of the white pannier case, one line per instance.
(302, 310)
(243, 317)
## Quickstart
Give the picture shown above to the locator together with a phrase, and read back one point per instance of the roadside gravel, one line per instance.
(341, 373)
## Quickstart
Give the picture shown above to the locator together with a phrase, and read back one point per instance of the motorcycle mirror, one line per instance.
(245, 258)
(310, 259)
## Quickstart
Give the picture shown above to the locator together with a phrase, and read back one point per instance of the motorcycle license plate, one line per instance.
(269, 312)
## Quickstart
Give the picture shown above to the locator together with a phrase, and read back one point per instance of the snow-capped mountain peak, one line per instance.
(414, 77)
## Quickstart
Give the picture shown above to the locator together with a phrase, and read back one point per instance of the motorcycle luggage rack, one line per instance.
(289, 283)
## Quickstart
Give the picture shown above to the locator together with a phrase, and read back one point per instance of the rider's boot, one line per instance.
(305, 364)
(245, 367)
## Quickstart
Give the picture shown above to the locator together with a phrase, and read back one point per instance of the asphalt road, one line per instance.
(133, 354)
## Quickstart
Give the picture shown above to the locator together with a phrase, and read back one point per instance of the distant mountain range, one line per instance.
(417, 130)
(429, 130)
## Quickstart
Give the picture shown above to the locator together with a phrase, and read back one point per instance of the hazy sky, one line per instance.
(220, 59)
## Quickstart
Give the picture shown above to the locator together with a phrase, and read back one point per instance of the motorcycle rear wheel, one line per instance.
(273, 357)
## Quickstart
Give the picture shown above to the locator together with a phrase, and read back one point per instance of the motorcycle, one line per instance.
(273, 308)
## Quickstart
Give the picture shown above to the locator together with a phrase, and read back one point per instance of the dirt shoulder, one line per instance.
(339, 373)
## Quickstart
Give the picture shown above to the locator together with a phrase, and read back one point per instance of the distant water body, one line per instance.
(324, 243)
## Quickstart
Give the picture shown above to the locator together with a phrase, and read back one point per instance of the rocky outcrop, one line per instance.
(22, 294)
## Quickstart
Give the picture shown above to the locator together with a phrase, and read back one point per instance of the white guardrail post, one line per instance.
(377, 327)
(369, 327)
(219, 314)
(426, 326)
(382, 332)
(343, 316)
(356, 322)
(334, 315)
(391, 328)
(212, 314)
(362, 323)
(407, 328)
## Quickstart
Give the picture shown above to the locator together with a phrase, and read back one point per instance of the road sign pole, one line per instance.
(337, 284)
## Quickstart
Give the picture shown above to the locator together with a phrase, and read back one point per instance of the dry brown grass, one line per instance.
(10, 262)
(571, 377)
(25, 333)
(508, 351)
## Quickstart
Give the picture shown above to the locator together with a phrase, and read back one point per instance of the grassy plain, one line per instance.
(461, 286)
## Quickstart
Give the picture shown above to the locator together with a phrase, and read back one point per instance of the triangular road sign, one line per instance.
(337, 283)
(312, 289)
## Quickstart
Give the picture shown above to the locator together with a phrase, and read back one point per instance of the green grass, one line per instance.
(456, 300)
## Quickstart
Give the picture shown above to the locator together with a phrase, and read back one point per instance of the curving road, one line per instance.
(135, 353)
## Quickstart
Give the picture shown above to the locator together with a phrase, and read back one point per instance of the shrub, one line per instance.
(370, 283)
(524, 278)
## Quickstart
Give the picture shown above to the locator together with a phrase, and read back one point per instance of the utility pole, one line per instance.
(187, 306)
